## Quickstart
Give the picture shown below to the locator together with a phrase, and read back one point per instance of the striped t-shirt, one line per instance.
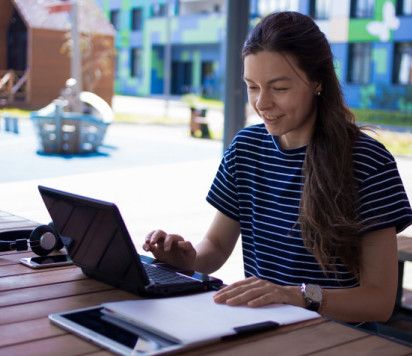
(259, 184)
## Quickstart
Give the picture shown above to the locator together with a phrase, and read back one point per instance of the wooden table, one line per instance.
(27, 297)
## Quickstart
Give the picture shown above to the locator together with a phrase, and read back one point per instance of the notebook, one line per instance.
(97, 240)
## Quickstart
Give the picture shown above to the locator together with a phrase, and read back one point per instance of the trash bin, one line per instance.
(199, 122)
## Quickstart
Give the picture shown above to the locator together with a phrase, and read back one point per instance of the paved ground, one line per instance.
(157, 175)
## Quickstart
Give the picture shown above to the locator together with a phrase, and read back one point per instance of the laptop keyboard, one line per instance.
(163, 276)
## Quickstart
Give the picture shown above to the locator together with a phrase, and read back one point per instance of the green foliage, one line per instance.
(191, 100)
(396, 143)
(395, 118)
(15, 112)
(196, 101)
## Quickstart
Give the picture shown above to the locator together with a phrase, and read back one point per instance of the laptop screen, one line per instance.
(96, 238)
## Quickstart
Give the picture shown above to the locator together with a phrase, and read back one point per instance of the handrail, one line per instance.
(5, 79)
(20, 82)
(11, 82)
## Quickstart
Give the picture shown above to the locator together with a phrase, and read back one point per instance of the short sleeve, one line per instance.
(223, 193)
(382, 200)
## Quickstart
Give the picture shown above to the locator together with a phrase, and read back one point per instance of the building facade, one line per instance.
(371, 41)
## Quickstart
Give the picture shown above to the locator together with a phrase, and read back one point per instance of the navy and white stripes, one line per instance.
(260, 185)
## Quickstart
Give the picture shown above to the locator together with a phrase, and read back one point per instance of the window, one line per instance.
(135, 62)
(320, 9)
(115, 18)
(268, 6)
(360, 9)
(360, 56)
(159, 10)
(137, 20)
(404, 7)
(208, 79)
(403, 63)
(181, 77)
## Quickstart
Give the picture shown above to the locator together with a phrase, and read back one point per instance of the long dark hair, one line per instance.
(328, 218)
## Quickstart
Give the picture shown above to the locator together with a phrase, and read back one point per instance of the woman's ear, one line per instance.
(318, 88)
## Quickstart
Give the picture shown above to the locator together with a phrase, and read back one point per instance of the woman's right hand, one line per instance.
(171, 249)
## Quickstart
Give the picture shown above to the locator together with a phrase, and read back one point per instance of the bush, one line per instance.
(394, 118)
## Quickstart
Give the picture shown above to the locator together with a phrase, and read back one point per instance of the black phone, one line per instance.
(46, 261)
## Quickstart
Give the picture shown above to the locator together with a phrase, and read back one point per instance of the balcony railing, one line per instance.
(13, 86)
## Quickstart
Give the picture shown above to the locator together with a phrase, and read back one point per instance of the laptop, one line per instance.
(97, 240)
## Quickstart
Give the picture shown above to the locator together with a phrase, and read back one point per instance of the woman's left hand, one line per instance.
(253, 292)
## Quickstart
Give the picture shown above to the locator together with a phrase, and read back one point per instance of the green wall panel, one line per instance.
(358, 27)
(106, 7)
(358, 31)
(207, 31)
(367, 92)
(380, 58)
(338, 68)
(123, 71)
(197, 70)
(185, 56)
(157, 64)
(124, 32)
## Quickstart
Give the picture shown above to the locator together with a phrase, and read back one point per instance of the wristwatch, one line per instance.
(312, 294)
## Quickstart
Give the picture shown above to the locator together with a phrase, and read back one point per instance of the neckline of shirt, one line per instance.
(292, 151)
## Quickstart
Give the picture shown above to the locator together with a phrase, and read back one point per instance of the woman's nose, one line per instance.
(264, 101)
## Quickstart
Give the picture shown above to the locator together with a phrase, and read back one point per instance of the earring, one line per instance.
(318, 93)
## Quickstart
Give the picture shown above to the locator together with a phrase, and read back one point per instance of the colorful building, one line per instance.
(371, 41)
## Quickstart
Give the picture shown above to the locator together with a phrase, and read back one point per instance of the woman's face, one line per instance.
(282, 95)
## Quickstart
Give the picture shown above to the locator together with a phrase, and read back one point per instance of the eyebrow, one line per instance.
(271, 81)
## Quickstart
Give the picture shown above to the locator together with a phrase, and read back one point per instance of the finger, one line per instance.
(149, 236)
(238, 284)
(147, 239)
(247, 296)
(241, 292)
(266, 299)
(170, 240)
(186, 245)
(157, 237)
(222, 297)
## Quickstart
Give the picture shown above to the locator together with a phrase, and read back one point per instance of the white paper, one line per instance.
(197, 317)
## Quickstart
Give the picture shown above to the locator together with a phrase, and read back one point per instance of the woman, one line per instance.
(318, 203)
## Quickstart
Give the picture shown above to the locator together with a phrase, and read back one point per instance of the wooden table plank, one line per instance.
(60, 345)
(300, 341)
(20, 269)
(58, 290)
(14, 222)
(26, 331)
(13, 258)
(371, 345)
(41, 277)
(40, 309)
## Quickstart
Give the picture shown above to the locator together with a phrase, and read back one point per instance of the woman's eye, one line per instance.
(280, 89)
(252, 88)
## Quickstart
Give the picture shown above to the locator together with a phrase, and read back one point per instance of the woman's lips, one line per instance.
(271, 119)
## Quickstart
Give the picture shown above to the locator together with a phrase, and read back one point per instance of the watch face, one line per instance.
(314, 292)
